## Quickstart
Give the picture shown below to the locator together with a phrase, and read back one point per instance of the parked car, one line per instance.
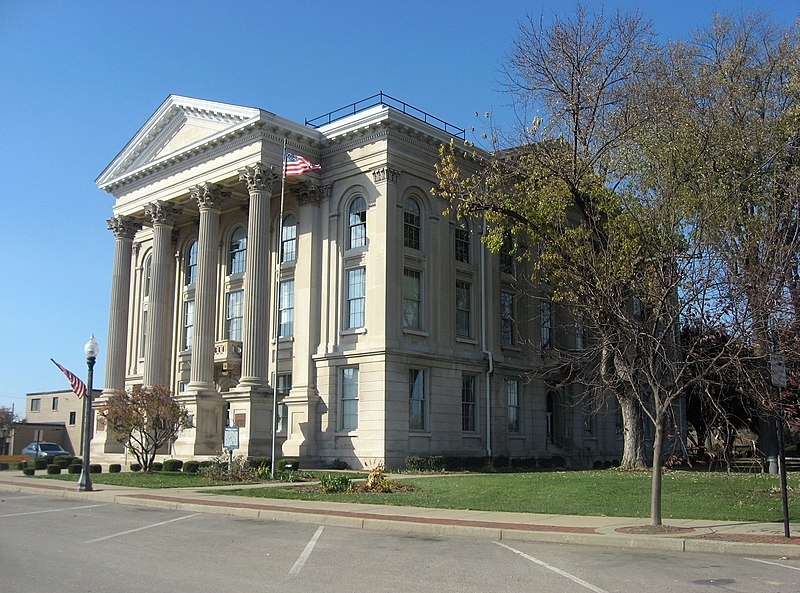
(42, 449)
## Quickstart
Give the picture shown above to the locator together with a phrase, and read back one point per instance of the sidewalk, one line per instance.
(682, 535)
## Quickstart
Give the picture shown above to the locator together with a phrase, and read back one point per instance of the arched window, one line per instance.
(357, 223)
(238, 251)
(412, 224)
(289, 239)
(462, 242)
(191, 264)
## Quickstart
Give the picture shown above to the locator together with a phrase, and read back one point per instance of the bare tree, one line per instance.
(144, 419)
(7, 420)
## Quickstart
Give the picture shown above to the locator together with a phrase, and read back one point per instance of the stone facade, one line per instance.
(382, 326)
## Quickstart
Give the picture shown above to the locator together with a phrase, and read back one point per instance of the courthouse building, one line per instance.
(381, 325)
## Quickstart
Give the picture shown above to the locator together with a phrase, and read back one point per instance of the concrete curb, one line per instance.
(410, 524)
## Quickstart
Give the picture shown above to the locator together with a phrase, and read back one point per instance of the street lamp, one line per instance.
(91, 349)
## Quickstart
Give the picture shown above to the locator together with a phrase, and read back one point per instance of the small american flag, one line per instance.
(78, 386)
(296, 165)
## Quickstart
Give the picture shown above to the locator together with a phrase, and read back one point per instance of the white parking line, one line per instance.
(571, 577)
(775, 564)
(100, 539)
(88, 506)
(298, 565)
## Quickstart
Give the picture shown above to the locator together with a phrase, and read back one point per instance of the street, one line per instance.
(53, 544)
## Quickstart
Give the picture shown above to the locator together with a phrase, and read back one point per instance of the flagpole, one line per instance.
(277, 312)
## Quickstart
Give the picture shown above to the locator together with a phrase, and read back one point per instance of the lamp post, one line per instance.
(91, 349)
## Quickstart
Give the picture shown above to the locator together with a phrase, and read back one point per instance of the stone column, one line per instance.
(257, 280)
(124, 229)
(252, 396)
(209, 198)
(159, 321)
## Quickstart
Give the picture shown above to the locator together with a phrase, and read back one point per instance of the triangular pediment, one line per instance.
(178, 125)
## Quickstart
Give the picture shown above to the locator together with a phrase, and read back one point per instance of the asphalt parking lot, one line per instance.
(53, 544)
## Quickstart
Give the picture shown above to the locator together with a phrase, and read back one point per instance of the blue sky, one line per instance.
(78, 78)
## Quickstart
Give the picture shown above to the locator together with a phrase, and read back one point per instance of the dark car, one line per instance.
(43, 450)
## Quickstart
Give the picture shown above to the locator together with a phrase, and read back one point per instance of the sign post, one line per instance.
(777, 368)
(231, 442)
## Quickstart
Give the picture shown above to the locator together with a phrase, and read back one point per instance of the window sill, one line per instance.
(346, 433)
(415, 332)
(353, 332)
(471, 435)
(284, 340)
(419, 433)
(512, 348)
(463, 340)
(516, 436)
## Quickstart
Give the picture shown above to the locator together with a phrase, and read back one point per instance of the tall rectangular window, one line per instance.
(412, 299)
(512, 389)
(234, 314)
(580, 333)
(462, 245)
(54, 405)
(507, 318)
(289, 240)
(356, 293)
(546, 310)
(36, 404)
(463, 309)
(188, 324)
(286, 309)
(73, 416)
(348, 418)
(507, 257)
(468, 403)
(282, 388)
(416, 400)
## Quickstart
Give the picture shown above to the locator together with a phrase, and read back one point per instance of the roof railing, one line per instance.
(388, 101)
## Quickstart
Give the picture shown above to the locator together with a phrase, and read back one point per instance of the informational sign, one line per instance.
(777, 369)
(231, 439)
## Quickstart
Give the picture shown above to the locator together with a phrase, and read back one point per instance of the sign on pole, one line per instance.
(231, 438)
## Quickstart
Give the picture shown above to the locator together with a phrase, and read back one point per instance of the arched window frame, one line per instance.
(357, 222)
(288, 247)
(412, 223)
(190, 269)
(237, 253)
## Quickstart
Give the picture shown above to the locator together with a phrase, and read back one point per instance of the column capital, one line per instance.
(307, 193)
(161, 212)
(258, 177)
(209, 196)
(382, 174)
(123, 227)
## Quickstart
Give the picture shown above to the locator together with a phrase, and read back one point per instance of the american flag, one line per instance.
(78, 386)
(296, 165)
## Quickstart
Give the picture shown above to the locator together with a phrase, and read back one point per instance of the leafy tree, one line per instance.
(144, 419)
(7, 420)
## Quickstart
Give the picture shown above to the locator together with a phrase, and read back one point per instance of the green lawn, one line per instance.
(686, 494)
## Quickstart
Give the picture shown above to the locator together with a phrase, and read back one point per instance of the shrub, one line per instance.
(114, 468)
(257, 462)
(95, 468)
(53, 469)
(40, 463)
(63, 459)
(136, 467)
(501, 461)
(75, 468)
(206, 463)
(288, 464)
(22, 465)
(545, 463)
(173, 465)
(157, 466)
(191, 467)
(339, 464)
(240, 470)
(559, 461)
(3, 466)
(331, 484)
(29, 471)
(598, 464)
(432, 463)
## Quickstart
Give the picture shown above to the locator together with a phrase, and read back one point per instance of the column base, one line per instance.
(251, 409)
(204, 437)
(302, 423)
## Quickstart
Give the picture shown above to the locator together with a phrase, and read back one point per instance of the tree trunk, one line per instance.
(633, 453)
(655, 488)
